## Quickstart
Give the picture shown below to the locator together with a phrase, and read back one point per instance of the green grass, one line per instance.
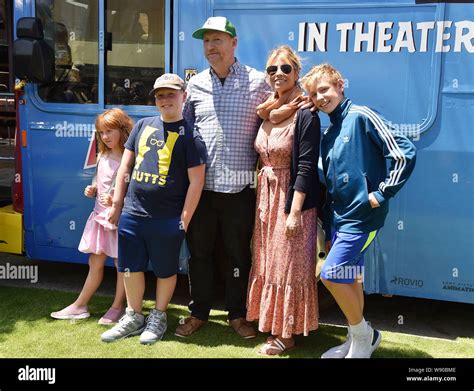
(27, 331)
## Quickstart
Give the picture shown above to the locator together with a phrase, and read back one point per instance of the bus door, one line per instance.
(106, 54)
(10, 221)
(7, 104)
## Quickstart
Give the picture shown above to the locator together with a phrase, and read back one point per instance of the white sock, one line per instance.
(359, 329)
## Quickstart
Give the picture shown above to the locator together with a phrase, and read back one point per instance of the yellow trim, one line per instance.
(11, 230)
(369, 240)
(20, 85)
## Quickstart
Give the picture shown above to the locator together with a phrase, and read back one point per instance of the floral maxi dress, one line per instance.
(282, 290)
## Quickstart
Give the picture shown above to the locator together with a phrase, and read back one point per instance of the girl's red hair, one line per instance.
(113, 119)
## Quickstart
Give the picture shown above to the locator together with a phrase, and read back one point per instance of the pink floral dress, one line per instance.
(282, 291)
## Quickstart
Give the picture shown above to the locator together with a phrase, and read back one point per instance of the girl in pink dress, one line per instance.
(99, 238)
(282, 288)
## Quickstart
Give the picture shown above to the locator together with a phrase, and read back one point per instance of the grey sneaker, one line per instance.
(156, 325)
(128, 325)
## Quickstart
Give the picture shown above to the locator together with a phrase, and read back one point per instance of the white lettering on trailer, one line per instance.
(383, 37)
(361, 37)
(317, 34)
(405, 38)
(441, 36)
(344, 29)
(464, 39)
(313, 36)
(425, 28)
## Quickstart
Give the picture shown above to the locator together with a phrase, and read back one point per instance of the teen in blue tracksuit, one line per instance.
(354, 150)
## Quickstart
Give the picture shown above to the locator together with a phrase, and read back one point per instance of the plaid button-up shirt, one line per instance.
(226, 117)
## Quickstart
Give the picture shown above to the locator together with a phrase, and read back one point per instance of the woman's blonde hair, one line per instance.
(288, 53)
(319, 71)
(113, 119)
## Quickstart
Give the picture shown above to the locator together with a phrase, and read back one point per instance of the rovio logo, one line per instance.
(407, 282)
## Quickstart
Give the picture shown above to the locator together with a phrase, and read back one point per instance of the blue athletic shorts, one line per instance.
(142, 240)
(345, 261)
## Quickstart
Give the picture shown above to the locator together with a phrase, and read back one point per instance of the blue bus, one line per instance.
(411, 60)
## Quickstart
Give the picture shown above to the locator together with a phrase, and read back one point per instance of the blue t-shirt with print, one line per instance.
(163, 153)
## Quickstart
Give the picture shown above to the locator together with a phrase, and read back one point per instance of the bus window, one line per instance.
(71, 29)
(136, 56)
(4, 74)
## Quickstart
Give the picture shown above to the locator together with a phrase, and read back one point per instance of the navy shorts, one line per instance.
(345, 261)
(142, 240)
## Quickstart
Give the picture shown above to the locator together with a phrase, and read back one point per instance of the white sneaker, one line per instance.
(156, 325)
(363, 345)
(339, 351)
(130, 324)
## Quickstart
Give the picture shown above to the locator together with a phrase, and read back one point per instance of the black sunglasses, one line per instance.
(285, 68)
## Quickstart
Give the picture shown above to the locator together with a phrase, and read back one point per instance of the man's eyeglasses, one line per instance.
(285, 68)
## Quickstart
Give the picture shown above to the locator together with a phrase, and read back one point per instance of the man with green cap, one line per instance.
(221, 103)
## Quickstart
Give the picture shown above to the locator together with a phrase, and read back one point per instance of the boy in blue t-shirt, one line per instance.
(354, 152)
(163, 167)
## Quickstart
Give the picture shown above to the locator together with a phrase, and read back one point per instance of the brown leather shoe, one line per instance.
(190, 326)
(243, 328)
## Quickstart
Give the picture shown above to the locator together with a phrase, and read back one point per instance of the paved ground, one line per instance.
(430, 318)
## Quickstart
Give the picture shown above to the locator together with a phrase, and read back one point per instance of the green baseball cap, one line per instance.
(216, 23)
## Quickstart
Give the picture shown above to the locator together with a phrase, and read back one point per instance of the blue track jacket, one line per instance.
(354, 151)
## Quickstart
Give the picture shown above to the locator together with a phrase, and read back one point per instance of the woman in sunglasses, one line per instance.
(282, 287)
